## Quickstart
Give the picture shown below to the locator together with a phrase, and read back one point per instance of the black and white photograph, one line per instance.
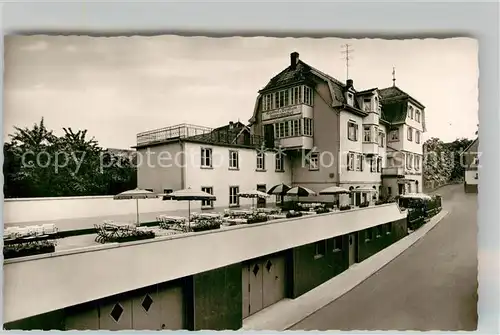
(240, 183)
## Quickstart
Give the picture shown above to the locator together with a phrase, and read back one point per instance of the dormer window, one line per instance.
(367, 103)
(350, 99)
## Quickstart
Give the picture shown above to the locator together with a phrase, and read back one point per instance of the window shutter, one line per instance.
(348, 161)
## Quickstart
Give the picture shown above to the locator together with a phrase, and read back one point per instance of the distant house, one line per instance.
(470, 159)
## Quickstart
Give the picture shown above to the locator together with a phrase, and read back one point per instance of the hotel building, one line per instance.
(316, 131)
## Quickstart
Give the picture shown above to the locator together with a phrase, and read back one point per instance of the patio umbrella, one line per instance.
(280, 190)
(136, 194)
(334, 190)
(189, 195)
(253, 194)
(300, 191)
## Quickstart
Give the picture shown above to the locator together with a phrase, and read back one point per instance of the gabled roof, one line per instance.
(364, 92)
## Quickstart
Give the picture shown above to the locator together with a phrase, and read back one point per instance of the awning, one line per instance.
(405, 181)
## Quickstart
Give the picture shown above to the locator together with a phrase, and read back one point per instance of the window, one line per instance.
(373, 164)
(359, 162)
(261, 161)
(367, 134)
(308, 96)
(267, 102)
(320, 249)
(314, 161)
(476, 176)
(352, 131)
(206, 157)
(167, 191)
(308, 127)
(379, 164)
(350, 99)
(394, 135)
(296, 95)
(207, 203)
(410, 134)
(295, 128)
(367, 105)
(150, 190)
(287, 129)
(417, 137)
(410, 112)
(337, 244)
(381, 139)
(417, 115)
(234, 200)
(350, 161)
(417, 163)
(233, 159)
(389, 228)
(279, 162)
(408, 161)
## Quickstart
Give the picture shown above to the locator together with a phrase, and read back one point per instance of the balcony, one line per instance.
(393, 172)
(370, 148)
(291, 143)
(198, 134)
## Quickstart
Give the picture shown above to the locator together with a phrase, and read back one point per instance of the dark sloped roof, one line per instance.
(288, 76)
(395, 93)
(394, 112)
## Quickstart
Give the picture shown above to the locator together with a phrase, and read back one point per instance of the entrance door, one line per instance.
(261, 202)
(401, 188)
(352, 249)
(273, 280)
(255, 294)
(358, 199)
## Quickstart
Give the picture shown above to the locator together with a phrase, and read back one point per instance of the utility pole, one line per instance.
(347, 56)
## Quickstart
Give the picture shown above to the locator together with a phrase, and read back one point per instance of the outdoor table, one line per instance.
(241, 212)
(172, 218)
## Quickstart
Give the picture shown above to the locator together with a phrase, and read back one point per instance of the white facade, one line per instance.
(241, 173)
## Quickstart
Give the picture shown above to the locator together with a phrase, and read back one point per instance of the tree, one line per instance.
(456, 148)
(40, 164)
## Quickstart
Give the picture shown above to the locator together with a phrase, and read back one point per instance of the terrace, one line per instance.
(224, 136)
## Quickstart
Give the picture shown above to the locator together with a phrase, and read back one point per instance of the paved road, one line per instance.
(431, 286)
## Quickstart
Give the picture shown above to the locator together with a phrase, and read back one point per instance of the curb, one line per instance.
(307, 304)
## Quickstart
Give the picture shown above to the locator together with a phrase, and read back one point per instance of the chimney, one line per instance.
(231, 124)
(294, 59)
(349, 83)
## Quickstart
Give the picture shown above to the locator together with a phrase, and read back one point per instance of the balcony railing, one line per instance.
(199, 134)
(393, 172)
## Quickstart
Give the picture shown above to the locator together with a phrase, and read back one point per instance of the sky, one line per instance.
(116, 87)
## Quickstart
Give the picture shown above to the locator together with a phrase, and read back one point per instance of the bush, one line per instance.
(364, 204)
(257, 219)
(345, 207)
(379, 202)
(322, 210)
(293, 215)
(205, 225)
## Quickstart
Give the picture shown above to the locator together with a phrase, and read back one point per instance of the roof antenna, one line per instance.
(347, 52)
(393, 76)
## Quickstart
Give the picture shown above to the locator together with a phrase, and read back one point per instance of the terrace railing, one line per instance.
(199, 134)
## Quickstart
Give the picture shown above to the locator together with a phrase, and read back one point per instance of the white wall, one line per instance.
(220, 177)
(470, 177)
(68, 278)
(412, 146)
(58, 208)
(357, 177)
